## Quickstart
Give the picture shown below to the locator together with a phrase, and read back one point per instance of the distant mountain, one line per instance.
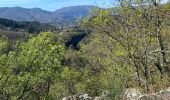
(71, 14)
(63, 16)
(23, 14)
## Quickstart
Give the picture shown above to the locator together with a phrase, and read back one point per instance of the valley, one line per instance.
(119, 52)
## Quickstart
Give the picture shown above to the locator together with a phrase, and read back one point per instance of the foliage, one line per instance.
(30, 72)
(110, 53)
(139, 35)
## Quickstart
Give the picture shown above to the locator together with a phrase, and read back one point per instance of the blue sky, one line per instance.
(53, 5)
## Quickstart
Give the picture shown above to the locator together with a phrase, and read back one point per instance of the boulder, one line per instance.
(97, 98)
(151, 97)
(165, 95)
(65, 98)
(78, 97)
(134, 94)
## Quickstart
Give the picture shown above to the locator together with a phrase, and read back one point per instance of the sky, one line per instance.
(52, 5)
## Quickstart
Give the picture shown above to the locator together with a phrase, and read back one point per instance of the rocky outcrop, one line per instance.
(129, 94)
(87, 97)
(82, 97)
(134, 94)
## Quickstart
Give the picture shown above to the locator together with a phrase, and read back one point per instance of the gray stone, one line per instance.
(97, 98)
(151, 97)
(133, 94)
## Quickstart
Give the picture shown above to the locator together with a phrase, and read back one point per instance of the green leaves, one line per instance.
(133, 41)
(69, 74)
(4, 44)
(42, 51)
(36, 63)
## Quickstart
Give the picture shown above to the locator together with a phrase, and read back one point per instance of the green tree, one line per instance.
(40, 62)
(139, 35)
(30, 73)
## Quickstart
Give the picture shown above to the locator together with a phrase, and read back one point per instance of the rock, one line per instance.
(165, 95)
(132, 94)
(97, 98)
(65, 98)
(129, 94)
(151, 97)
(86, 97)
(78, 97)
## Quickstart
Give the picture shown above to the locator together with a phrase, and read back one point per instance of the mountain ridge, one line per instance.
(63, 16)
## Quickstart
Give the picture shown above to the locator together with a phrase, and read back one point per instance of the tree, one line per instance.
(40, 62)
(30, 73)
(138, 33)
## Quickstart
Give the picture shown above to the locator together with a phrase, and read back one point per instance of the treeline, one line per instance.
(31, 27)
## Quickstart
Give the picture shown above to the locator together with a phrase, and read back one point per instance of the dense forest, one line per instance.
(22, 29)
(104, 53)
(31, 27)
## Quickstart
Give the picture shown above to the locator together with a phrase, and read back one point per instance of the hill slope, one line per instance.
(63, 16)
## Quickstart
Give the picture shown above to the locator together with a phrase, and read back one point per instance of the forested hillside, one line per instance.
(22, 29)
(107, 53)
